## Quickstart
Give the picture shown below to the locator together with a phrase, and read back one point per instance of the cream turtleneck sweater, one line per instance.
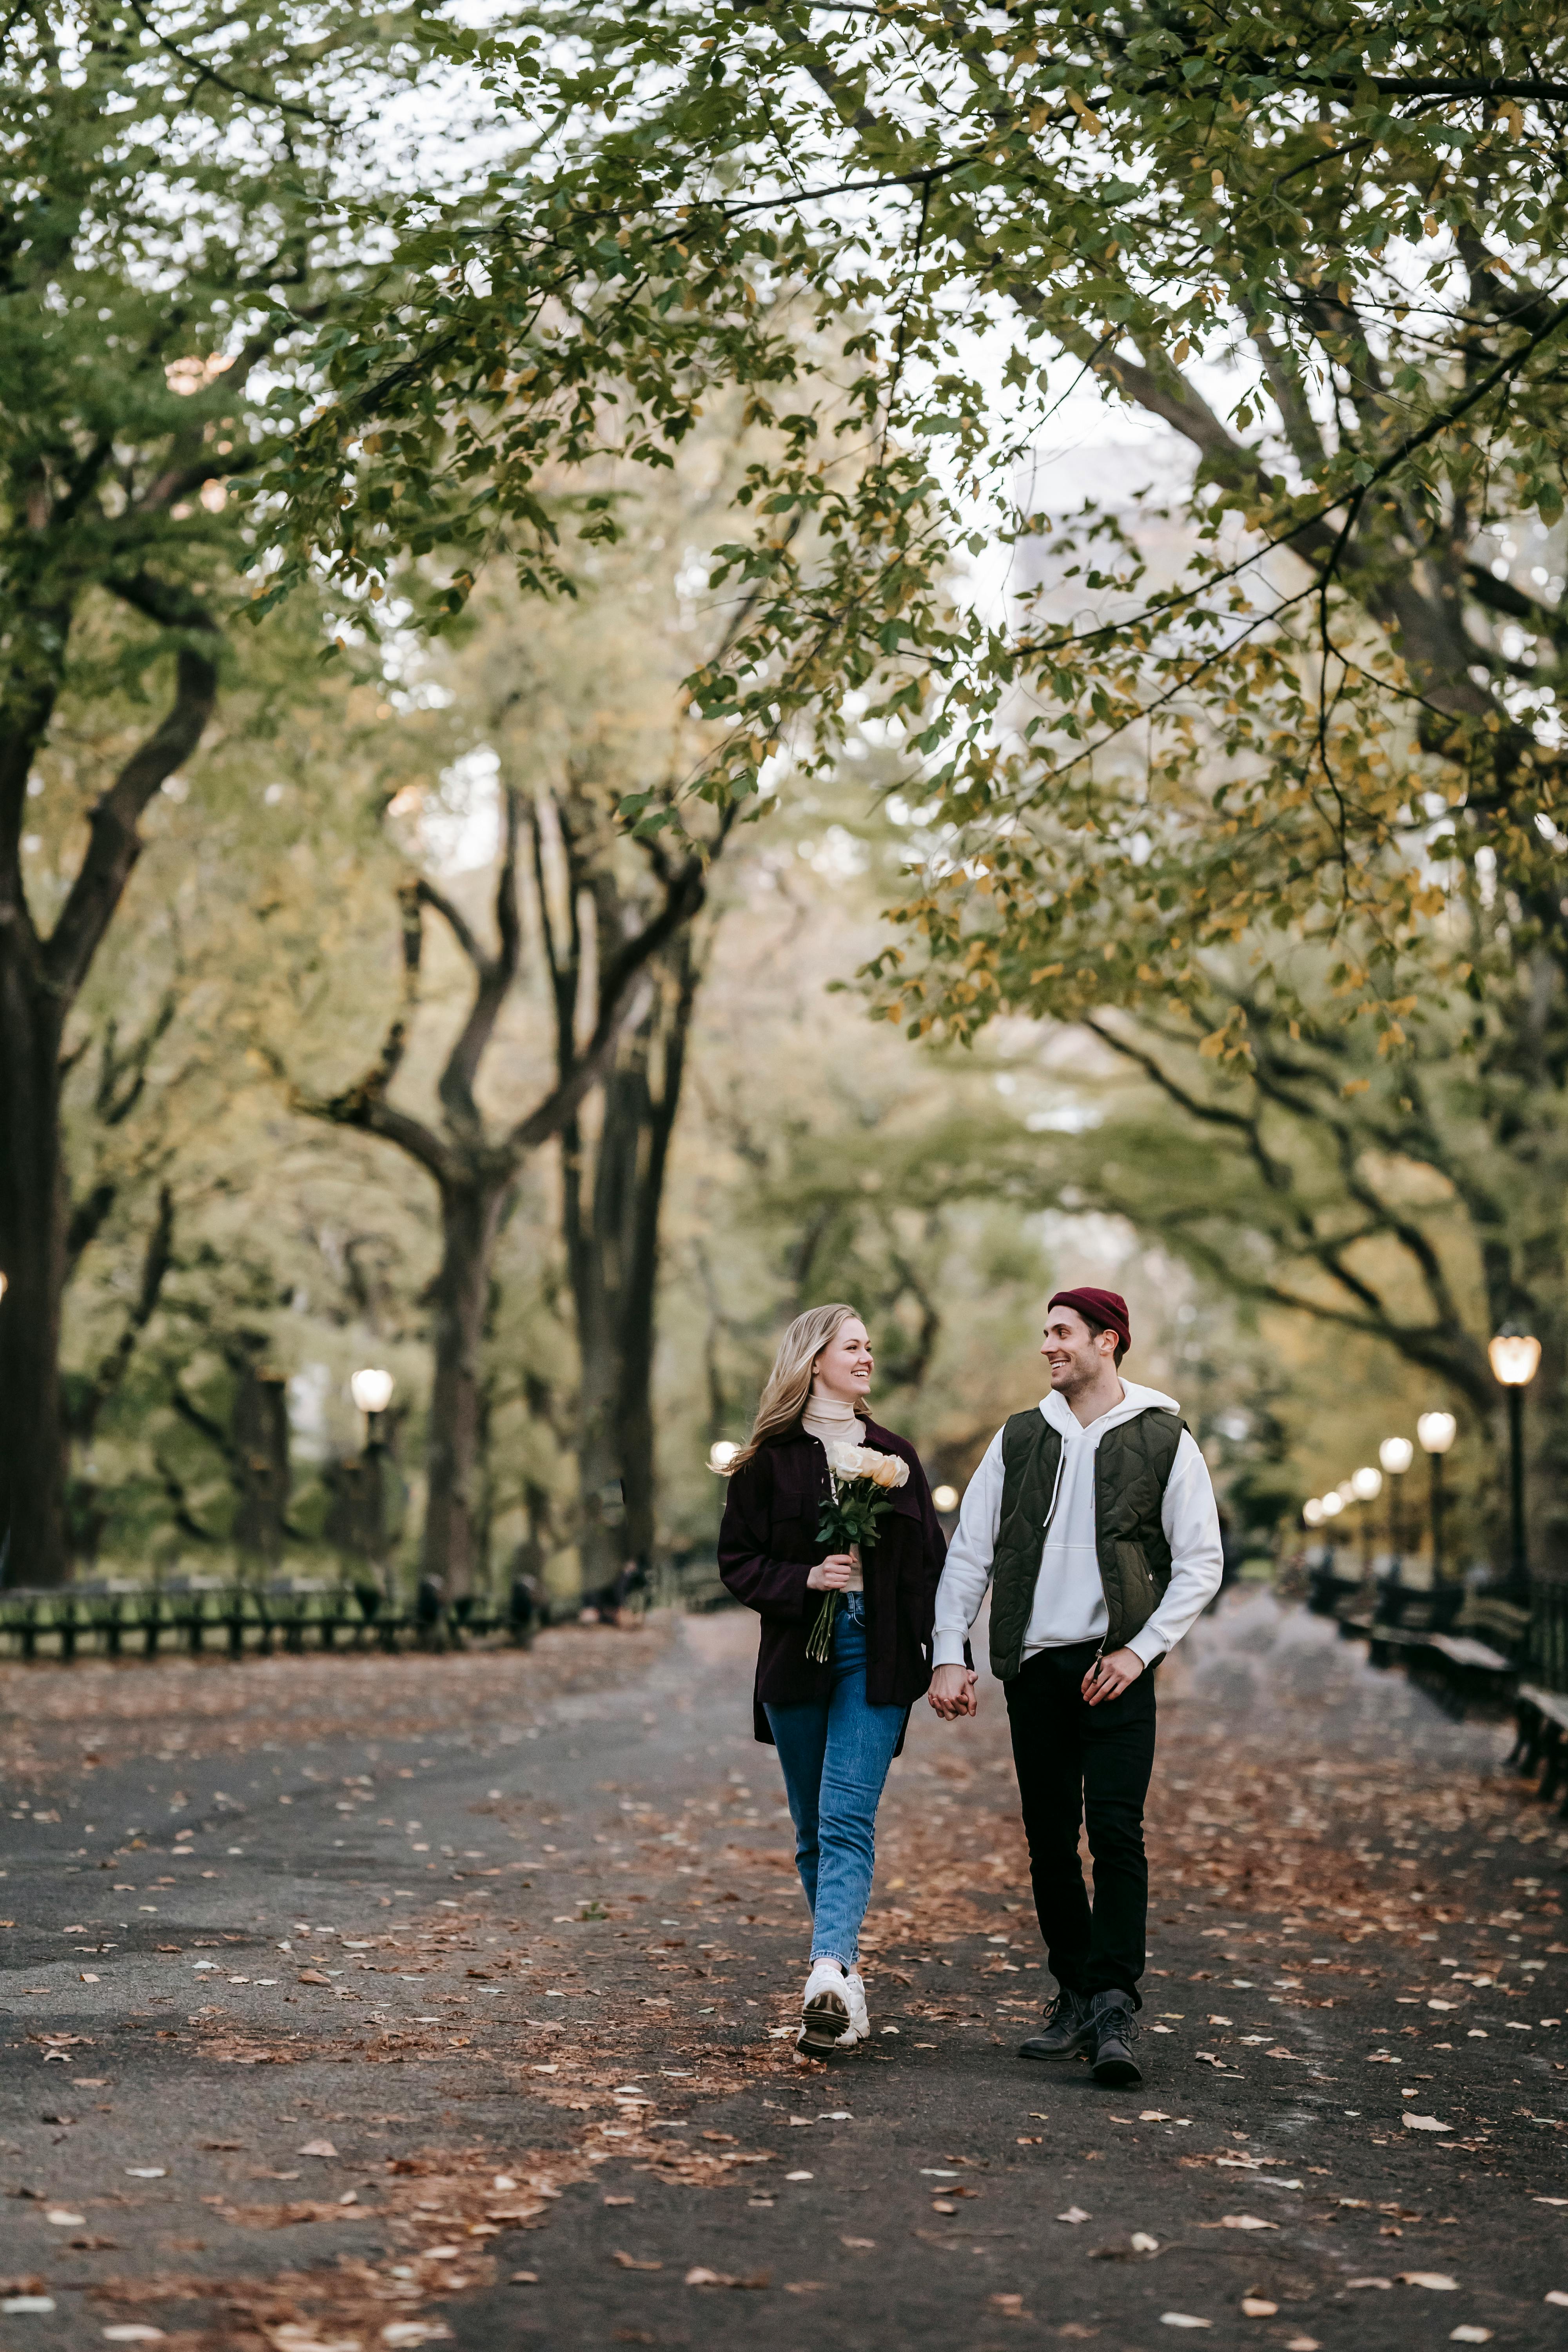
(832, 1423)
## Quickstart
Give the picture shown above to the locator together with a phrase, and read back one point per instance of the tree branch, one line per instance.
(114, 843)
(363, 1105)
(495, 976)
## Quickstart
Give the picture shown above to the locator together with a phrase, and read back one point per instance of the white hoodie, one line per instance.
(1069, 1603)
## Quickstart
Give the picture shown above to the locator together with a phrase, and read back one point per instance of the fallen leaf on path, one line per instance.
(1254, 2306)
(1182, 2319)
(19, 2303)
(1369, 2281)
(416, 2331)
(1424, 2123)
(630, 2262)
(1555, 2294)
(313, 1976)
(1471, 2335)
(525, 2278)
(1074, 2213)
(1438, 2281)
(1142, 2243)
(701, 2276)
(132, 2332)
(64, 2221)
(146, 2171)
(317, 2147)
(1246, 2221)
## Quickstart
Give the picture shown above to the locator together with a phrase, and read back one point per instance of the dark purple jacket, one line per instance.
(768, 1544)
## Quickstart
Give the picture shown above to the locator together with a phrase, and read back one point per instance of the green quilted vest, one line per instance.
(1132, 1466)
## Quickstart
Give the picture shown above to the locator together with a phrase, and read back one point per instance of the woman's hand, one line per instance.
(832, 1574)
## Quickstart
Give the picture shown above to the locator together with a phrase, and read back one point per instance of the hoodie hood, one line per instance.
(1136, 1400)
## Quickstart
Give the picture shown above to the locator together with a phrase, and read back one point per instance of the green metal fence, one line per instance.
(212, 1617)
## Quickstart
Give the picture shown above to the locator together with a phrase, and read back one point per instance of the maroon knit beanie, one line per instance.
(1106, 1307)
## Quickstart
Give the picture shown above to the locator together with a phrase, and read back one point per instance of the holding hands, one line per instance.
(954, 1692)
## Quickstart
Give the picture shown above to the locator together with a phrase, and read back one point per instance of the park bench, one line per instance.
(1328, 1593)
(1541, 1745)
(1440, 1636)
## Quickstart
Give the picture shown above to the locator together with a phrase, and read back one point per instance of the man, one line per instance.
(1093, 1517)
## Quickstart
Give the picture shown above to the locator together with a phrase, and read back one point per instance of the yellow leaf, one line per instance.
(1212, 1045)
(1047, 972)
(1355, 1086)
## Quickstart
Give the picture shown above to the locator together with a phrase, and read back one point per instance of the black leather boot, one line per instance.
(1066, 2027)
(1114, 2024)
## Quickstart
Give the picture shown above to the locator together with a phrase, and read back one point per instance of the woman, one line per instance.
(838, 1726)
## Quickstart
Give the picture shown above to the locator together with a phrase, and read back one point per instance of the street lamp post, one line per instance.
(1396, 1453)
(1330, 1504)
(1366, 1485)
(1514, 1357)
(1437, 1431)
(372, 1393)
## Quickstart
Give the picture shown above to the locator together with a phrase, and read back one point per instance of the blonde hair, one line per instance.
(788, 1385)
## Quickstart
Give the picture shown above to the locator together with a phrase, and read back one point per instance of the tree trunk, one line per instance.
(258, 1436)
(472, 1210)
(33, 1219)
(612, 1255)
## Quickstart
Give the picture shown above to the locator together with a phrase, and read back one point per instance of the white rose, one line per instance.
(850, 1461)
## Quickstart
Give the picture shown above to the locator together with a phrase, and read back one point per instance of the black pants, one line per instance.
(1074, 1762)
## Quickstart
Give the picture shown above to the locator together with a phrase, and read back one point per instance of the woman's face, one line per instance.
(845, 1367)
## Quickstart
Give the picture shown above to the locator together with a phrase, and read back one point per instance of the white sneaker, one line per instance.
(826, 2017)
(859, 2018)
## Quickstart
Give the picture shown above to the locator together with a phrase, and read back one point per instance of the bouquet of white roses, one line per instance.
(861, 1481)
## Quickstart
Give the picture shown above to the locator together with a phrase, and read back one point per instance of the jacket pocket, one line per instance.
(1139, 1594)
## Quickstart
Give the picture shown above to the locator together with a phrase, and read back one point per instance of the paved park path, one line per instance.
(366, 2002)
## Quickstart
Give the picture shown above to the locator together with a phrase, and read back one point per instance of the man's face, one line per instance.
(1074, 1354)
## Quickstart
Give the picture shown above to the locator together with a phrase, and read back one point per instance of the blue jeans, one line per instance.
(835, 1754)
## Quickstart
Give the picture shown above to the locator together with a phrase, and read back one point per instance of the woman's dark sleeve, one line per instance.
(773, 1588)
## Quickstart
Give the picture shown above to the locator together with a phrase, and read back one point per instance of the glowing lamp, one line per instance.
(720, 1453)
(1513, 1358)
(945, 1497)
(1396, 1454)
(372, 1390)
(1367, 1483)
(1437, 1431)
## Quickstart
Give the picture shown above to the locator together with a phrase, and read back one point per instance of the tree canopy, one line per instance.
(1319, 244)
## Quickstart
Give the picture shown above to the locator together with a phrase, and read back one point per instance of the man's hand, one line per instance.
(952, 1691)
(1109, 1677)
(832, 1574)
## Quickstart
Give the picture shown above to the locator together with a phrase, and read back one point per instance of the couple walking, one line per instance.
(1092, 1518)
